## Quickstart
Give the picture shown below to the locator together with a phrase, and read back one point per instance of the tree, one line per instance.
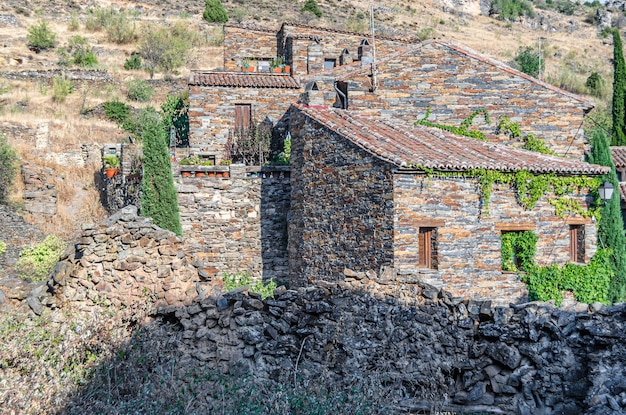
(214, 12)
(619, 83)
(311, 6)
(165, 49)
(41, 37)
(8, 167)
(159, 199)
(529, 61)
(611, 225)
(175, 113)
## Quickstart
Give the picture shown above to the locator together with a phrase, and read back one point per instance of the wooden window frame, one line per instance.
(427, 247)
(577, 243)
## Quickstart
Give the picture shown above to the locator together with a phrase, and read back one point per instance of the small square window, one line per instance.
(329, 64)
(263, 65)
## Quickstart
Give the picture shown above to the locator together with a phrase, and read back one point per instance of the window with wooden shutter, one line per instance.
(243, 117)
(427, 248)
(577, 243)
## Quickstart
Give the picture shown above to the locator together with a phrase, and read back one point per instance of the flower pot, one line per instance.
(110, 172)
(250, 69)
(200, 174)
(287, 69)
(225, 174)
(277, 70)
(185, 173)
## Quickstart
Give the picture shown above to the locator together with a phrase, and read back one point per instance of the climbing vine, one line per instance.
(531, 142)
(518, 248)
(460, 130)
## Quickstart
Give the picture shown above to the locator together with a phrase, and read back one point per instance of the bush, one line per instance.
(165, 49)
(8, 167)
(596, 85)
(175, 113)
(214, 12)
(61, 88)
(116, 111)
(3, 247)
(77, 52)
(241, 279)
(74, 23)
(41, 37)
(139, 90)
(511, 9)
(529, 61)
(120, 29)
(133, 62)
(311, 6)
(37, 262)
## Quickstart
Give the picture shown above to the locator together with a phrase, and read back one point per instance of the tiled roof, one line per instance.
(346, 32)
(242, 80)
(252, 27)
(437, 149)
(622, 191)
(619, 156)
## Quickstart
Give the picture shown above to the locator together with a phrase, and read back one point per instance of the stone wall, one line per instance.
(341, 205)
(125, 261)
(432, 350)
(468, 236)
(17, 234)
(247, 42)
(454, 84)
(40, 193)
(212, 113)
(237, 224)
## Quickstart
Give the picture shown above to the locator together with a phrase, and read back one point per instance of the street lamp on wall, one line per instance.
(606, 191)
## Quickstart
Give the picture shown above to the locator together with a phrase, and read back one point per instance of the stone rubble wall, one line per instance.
(40, 194)
(125, 261)
(436, 350)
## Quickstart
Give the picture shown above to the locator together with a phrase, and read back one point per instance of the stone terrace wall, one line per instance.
(434, 350)
(469, 248)
(125, 261)
(247, 42)
(17, 234)
(236, 224)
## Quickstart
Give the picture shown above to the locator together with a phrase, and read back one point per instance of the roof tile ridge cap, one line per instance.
(367, 35)
(504, 66)
(250, 27)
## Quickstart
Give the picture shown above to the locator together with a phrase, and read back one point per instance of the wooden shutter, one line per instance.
(243, 116)
(577, 243)
(427, 247)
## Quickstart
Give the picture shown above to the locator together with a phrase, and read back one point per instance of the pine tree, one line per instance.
(159, 200)
(611, 225)
(214, 12)
(619, 83)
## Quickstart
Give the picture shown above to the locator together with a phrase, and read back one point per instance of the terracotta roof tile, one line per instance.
(436, 149)
(619, 156)
(242, 80)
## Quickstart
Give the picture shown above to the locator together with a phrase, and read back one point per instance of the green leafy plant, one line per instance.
(61, 88)
(3, 247)
(74, 23)
(133, 62)
(518, 250)
(111, 161)
(214, 12)
(226, 162)
(40, 37)
(311, 6)
(8, 167)
(529, 61)
(35, 263)
(175, 112)
(116, 111)
(533, 143)
(139, 90)
(596, 85)
(511, 9)
(194, 160)
(461, 129)
(283, 158)
(165, 49)
(241, 279)
(77, 52)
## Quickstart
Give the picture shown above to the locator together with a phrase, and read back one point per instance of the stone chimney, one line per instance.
(345, 58)
(312, 95)
(366, 54)
(315, 58)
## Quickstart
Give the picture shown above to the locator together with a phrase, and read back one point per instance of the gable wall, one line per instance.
(242, 43)
(212, 112)
(469, 245)
(341, 206)
(454, 86)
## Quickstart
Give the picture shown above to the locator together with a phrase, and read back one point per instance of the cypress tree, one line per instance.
(214, 12)
(159, 200)
(619, 83)
(611, 225)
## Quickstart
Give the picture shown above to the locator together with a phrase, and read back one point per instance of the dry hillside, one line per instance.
(572, 49)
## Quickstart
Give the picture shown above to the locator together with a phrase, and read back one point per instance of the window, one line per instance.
(577, 243)
(329, 63)
(263, 65)
(427, 248)
(243, 116)
(518, 250)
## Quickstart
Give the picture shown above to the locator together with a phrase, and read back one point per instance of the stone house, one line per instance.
(361, 199)
(368, 191)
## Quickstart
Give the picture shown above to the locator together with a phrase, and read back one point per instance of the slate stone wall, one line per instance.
(237, 224)
(454, 85)
(212, 113)
(432, 350)
(341, 205)
(251, 43)
(468, 236)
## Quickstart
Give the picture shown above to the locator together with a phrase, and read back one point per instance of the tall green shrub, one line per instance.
(611, 225)
(8, 167)
(175, 113)
(619, 83)
(158, 199)
(214, 12)
(41, 37)
(529, 61)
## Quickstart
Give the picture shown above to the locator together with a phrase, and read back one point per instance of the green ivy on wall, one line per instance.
(460, 130)
(518, 248)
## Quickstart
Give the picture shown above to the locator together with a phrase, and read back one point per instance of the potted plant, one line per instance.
(247, 65)
(225, 163)
(277, 65)
(205, 163)
(111, 165)
(189, 161)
